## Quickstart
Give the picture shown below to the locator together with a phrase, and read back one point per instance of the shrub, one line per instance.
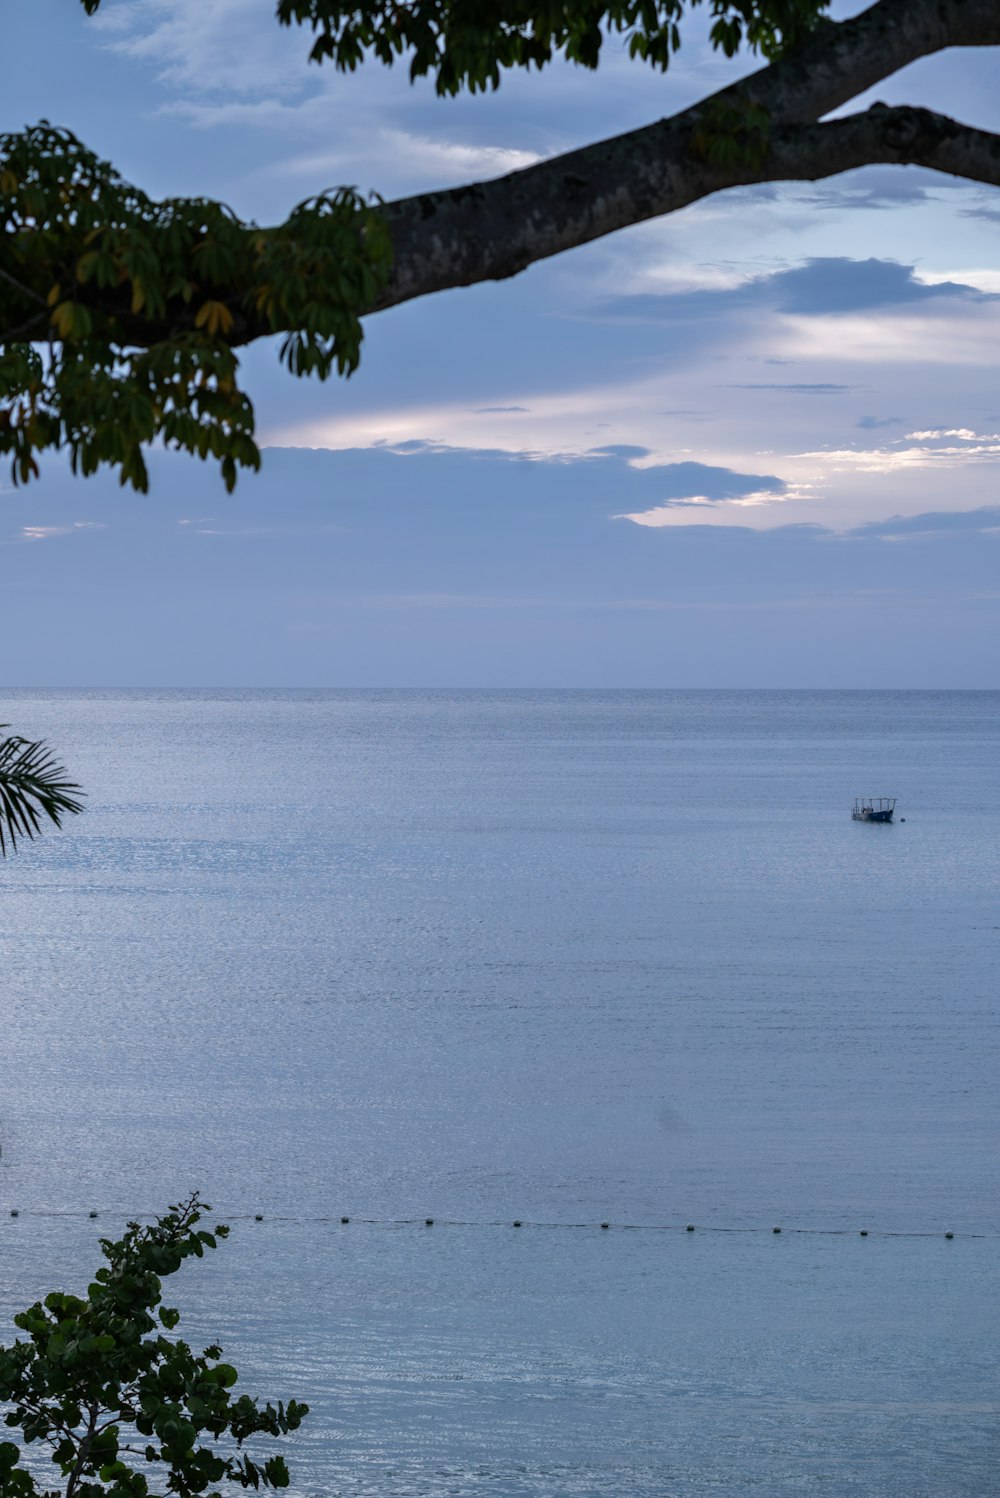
(127, 1411)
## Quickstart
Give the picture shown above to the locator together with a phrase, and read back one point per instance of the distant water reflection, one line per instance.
(559, 956)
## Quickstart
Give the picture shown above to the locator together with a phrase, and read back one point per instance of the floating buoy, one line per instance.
(605, 1224)
(517, 1222)
(258, 1217)
(14, 1212)
(949, 1235)
(93, 1214)
(775, 1230)
(428, 1222)
(345, 1219)
(863, 1233)
(689, 1228)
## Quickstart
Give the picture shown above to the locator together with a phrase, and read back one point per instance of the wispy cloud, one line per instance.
(936, 434)
(366, 148)
(49, 532)
(823, 388)
(985, 520)
(985, 279)
(951, 335)
(413, 153)
(217, 48)
(938, 447)
(702, 509)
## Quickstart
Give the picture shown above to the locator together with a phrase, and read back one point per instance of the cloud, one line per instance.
(818, 287)
(937, 447)
(627, 450)
(691, 378)
(48, 532)
(367, 149)
(828, 309)
(934, 335)
(388, 152)
(822, 388)
(212, 48)
(876, 187)
(837, 284)
(977, 278)
(934, 522)
(468, 568)
(557, 495)
(729, 509)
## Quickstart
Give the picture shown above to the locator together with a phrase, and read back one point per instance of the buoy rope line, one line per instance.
(525, 1223)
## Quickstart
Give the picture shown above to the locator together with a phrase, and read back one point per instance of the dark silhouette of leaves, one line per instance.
(32, 786)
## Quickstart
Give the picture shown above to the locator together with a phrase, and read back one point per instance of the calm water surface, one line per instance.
(566, 957)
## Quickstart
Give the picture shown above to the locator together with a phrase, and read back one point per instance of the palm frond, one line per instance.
(32, 786)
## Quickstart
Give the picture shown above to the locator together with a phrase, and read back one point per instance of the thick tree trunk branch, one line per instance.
(842, 60)
(182, 280)
(765, 128)
(492, 230)
(495, 229)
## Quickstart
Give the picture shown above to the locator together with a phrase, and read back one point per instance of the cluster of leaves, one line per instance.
(32, 786)
(467, 43)
(119, 315)
(733, 134)
(100, 1384)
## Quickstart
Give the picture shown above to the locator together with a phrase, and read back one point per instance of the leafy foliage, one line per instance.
(469, 42)
(100, 1384)
(120, 316)
(90, 267)
(32, 786)
(733, 134)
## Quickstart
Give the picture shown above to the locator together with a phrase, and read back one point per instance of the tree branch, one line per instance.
(83, 1451)
(900, 135)
(842, 60)
(495, 229)
(492, 230)
(149, 300)
(764, 128)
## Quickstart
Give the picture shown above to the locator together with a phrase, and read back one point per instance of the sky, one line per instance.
(753, 444)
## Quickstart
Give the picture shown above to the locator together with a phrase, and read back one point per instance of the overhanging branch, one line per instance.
(144, 303)
(492, 230)
(495, 229)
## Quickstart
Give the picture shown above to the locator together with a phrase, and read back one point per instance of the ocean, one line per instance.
(561, 958)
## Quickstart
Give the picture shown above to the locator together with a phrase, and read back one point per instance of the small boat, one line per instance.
(873, 808)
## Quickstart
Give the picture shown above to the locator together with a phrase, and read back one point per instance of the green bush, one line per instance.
(126, 1411)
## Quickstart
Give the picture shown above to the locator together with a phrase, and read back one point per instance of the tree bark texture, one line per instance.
(491, 230)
